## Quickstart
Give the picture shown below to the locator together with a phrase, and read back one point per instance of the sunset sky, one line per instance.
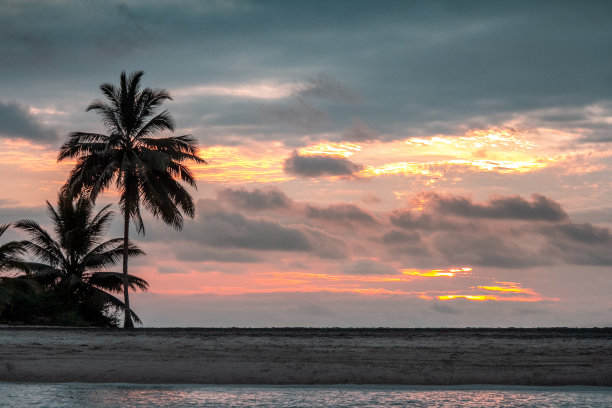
(371, 163)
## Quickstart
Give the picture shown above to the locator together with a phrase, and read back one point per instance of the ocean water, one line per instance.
(169, 395)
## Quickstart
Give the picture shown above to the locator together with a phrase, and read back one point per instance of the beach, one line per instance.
(307, 356)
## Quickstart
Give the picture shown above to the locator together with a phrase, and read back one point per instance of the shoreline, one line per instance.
(308, 356)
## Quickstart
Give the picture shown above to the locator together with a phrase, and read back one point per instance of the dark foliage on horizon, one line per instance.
(69, 284)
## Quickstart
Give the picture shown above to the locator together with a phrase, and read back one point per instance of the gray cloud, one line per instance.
(16, 121)
(410, 220)
(509, 207)
(324, 86)
(369, 267)
(514, 240)
(255, 200)
(429, 68)
(233, 230)
(344, 214)
(579, 244)
(320, 165)
(494, 250)
(445, 309)
(360, 132)
(400, 237)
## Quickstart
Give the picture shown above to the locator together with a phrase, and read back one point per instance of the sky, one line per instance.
(370, 163)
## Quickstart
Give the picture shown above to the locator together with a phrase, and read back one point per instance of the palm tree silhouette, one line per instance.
(73, 263)
(143, 168)
(10, 253)
(10, 259)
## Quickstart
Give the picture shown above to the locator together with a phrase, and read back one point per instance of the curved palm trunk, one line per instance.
(127, 323)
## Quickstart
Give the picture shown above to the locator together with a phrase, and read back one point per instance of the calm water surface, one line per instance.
(138, 395)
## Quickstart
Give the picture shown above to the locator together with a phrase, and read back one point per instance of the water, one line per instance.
(138, 395)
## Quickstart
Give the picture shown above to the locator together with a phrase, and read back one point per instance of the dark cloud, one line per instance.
(16, 121)
(233, 230)
(325, 244)
(582, 233)
(485, 249)
(526, 233)
(579, 244)
(344, 214)
(369, 267)
(510, 207)
(325, 86)
(446, 309)
(360, 132)
(298, 112)
(255, 200)
(427, 67)
(400, 237)
(320, 165)
(412, 220)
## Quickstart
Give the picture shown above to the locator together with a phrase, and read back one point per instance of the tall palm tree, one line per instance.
(73, 264)
(143, 168)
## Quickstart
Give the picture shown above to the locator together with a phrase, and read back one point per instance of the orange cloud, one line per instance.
(450, 273)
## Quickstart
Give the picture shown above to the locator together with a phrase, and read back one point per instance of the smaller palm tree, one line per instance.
(72, 265)
(10, 253)
(10, 259)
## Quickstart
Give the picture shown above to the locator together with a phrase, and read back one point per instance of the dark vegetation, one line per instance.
(66, 280)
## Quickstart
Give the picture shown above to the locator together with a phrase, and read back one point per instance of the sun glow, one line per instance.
(511, 287)
(449, 273)
(239, 164)
(329, 148)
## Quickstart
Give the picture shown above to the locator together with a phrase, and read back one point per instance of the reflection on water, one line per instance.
(138, 395)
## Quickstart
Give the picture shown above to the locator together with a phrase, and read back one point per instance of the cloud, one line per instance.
(320, 165)
(579, 244)
(369, 267)
(492, 250)
(539, 208)
(344, 214)
(410, 220)
(16, 121)
(525, 233)
(327, 87)
(233, 230)
(360, 132)
(192, 252)
(400, 237)
(255, 200)
(445, 309)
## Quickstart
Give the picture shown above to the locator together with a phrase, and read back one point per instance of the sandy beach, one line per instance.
(308, 356)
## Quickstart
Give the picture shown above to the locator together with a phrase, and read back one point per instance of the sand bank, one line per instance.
(308, 356)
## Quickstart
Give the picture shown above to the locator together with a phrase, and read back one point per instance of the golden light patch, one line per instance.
(334, 149)
(478, 298)
(485, 150)
(511, 287)
(449, 273)
(227, 164)
(31, 157)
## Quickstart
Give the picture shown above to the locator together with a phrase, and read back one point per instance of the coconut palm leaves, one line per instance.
(10, 259)
(10, 253)
(72, 261)
(144, 169)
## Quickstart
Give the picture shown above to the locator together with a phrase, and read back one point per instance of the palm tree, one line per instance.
(72, 265)
(10, 259)
(143, 168)
(10, 253)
